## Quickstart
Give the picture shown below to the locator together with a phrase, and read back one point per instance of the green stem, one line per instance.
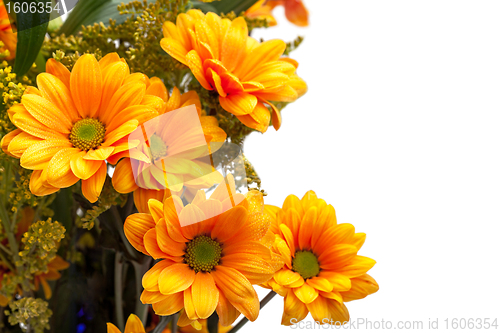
(263, 303)
(119, 291)
(175, 317)
(162, 324)
(119, 226)
(141, 310)
(6, 262)
(6, 250)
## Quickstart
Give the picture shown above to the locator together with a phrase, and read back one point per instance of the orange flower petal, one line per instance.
(112, 79)
(238, 104)
(229, 223)
(170, 305)
(134, 324)
(55, 91)
(194, 62)
(150, 279)
(166, 243)
(59, 172)
(319, 309)
(233, 284)
(234, 44)
(293, 309)
(205, 295)
(25, 121)
(47, 113)
(306, 293)
(135, 227)
(175, 278)
(84, 169)
(60, 71)
(254, 268)
(123, 177)
(337, 256)
(92, 187)
(86, 85)
(152, 247)
(357, 267)
(226, 311)
(37, 156)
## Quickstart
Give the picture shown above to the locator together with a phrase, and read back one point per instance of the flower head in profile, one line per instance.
(246, 74)
(205, 266)
(75, 121)
(7, 36)
(171, 151)
(322, 267)
(133, 325)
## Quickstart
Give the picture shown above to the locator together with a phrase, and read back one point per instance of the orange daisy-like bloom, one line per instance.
(55, 265)
(295, 11)
(169, 148)
(7, 36)
(206, 266)
(246, 74)
(133, 325)
(74, 122)
(322, 268)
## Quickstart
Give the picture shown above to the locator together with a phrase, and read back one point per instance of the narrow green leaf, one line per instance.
(31, 33)
(227, 6)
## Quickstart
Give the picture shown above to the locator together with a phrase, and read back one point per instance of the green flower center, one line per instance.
(202, 253)
(87, 134)
(306, 264)
(158, 147)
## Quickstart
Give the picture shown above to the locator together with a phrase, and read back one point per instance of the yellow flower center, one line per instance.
(306, 264)
(158, 147)
(87, 134)
(202, 253)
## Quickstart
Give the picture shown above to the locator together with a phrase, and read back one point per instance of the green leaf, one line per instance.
(227, 6)
(88, 12)
(31, 33)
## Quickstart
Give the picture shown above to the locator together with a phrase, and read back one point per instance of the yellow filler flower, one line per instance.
(246, 74)
(322, 268)
(206, 266)
(74, 122)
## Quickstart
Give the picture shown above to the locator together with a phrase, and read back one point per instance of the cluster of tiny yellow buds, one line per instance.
(32, 314)
(109, 197)
(12, 90)
(41, 242)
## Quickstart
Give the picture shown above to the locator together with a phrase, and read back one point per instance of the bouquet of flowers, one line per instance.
(126, 201)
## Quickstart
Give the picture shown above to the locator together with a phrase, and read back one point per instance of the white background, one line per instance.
(399, 131)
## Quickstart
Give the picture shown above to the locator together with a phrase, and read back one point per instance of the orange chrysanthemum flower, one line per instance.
(168, 143)
(134, 325)
(206, 266)
(74, 122)
(246, 74)
(7, 36)
(295, 11)
(322, 268)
